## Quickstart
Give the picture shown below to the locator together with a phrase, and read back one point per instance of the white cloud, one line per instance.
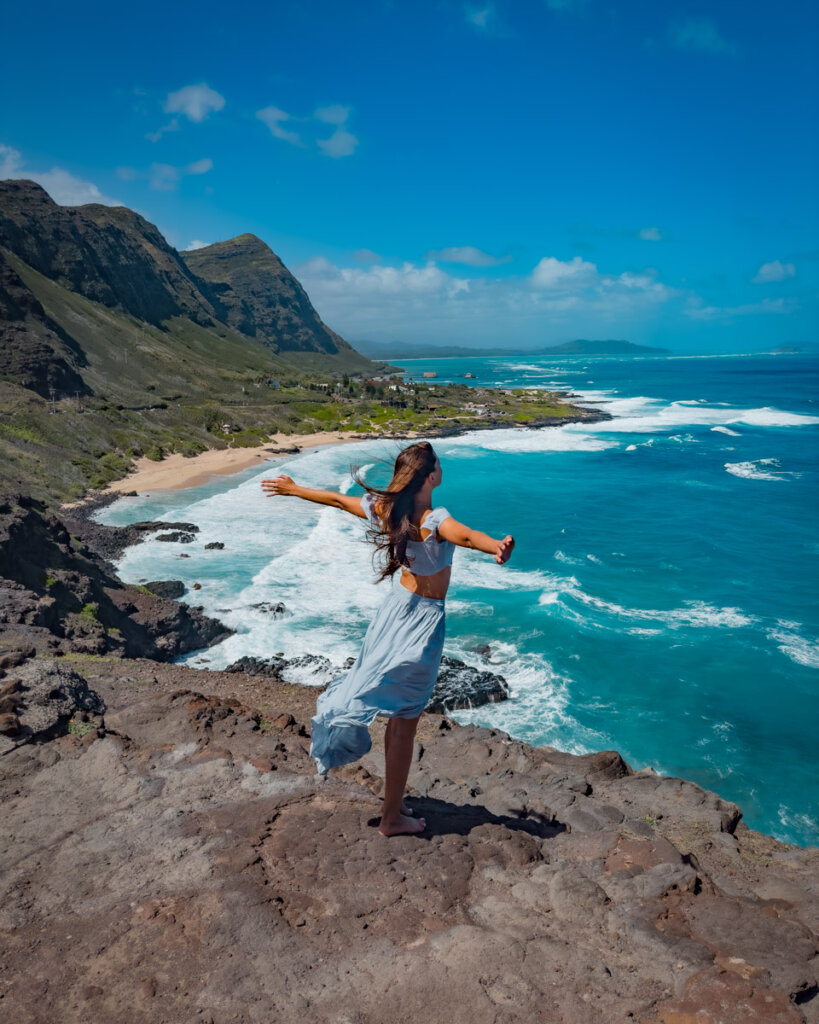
(341, 143)
(480, 17)
(774, 271)
(200, 166)
(366, 256)
(63, 187)
(11, 162)
(335, 114)
(165, 177)
(650, 234)
(554, 275)
(468, 255)
(424, 302)
(273, 118)
(777, 306)
(196, 102)
(171, 126)
(197, 243)
(408, 279)
(699, 34)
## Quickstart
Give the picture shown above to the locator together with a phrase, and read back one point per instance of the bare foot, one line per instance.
(402, 826)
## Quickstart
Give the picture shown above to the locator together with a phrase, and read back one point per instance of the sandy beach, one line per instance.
(176, 472)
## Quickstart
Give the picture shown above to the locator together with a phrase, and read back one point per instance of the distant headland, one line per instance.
(580, 347)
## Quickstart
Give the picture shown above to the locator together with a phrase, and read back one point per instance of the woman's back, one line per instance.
(428, 556)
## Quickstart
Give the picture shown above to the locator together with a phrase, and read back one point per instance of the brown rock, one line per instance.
(202, 870)
(723, 997)
(9, 725)
(11, 659)
(9, 704)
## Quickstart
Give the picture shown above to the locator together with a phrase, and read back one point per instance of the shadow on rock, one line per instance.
(444, 818)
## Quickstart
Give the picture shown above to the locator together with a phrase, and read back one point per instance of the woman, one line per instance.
(399, 660)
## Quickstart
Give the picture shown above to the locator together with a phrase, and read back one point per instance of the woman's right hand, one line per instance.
(505, 547)
(280, 485)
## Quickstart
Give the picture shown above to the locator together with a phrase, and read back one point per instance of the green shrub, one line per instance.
(76, 728)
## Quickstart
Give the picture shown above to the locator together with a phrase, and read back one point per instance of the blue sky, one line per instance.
(518, 172)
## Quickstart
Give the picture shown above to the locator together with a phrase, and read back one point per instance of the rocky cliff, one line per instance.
(34, 351)
(58, 596)
(112, 256)
(259, 297)
(109, 254)
(170, 855)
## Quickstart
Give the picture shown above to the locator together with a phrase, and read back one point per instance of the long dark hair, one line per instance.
(395, 505)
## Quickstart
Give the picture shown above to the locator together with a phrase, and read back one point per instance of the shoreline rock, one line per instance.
(57, 594)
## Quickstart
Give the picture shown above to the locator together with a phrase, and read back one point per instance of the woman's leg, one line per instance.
(398, 756)
(387, 738)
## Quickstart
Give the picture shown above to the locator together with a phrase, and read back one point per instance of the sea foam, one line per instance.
(758, 469)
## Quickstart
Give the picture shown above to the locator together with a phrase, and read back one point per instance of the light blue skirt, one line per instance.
(393, 676)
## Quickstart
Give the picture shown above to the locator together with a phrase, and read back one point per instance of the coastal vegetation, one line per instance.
(58, 449)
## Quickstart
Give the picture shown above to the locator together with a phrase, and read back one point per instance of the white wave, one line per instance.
(726, 430)
(759, 469)
(803, 825)
(798, 648)
(554, 371)
(521, 439)
(529, 368)
(484, 574)
(645, 444)
(459, 607)
(538, 710)
(648, 415)
(560, 556)
(695, 614)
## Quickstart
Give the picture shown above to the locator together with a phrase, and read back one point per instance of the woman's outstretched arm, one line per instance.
(456, 533)
(286, 485)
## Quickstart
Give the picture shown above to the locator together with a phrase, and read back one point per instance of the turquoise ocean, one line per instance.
(662, 597)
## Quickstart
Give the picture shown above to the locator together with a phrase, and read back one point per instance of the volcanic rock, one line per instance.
(166, 588)
(461, 686)
(201, 870)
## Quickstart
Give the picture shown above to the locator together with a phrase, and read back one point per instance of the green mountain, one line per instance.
(113, 343)
(257, 296)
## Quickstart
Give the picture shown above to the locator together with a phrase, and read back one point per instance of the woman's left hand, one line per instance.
(280, 485)
(504, 550)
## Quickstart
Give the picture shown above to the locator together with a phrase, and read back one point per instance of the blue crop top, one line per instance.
(425, 557)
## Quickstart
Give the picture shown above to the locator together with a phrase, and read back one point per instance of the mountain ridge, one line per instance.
(115, 257)
(382, 350)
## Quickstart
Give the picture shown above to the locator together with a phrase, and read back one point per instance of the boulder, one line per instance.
(170, 589)
(461, 686)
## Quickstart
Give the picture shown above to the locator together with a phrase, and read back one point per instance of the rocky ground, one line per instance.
(172, 856)
(169, 855)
